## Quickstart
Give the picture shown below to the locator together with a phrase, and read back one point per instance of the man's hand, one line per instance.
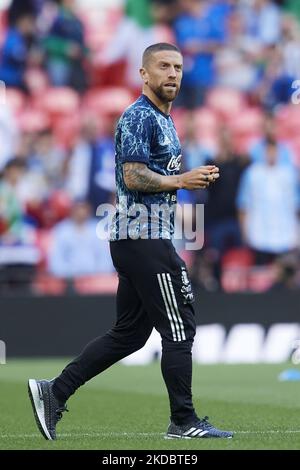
(199, 178)
(138, 177)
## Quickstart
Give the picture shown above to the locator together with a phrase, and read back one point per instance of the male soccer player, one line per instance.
(154, 288)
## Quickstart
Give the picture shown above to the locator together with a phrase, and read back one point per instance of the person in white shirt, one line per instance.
(268, 203)
(76, 250)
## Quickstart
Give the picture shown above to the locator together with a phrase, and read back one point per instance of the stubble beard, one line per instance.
(163, 96)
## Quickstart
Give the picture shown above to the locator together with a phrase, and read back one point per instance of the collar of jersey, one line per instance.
(155, 107)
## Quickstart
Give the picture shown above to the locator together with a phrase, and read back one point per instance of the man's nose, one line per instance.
(172, 72)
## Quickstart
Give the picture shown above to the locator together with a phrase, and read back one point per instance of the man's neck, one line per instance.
(164, 107)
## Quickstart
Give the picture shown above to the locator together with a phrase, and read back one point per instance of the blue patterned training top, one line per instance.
(146, 135)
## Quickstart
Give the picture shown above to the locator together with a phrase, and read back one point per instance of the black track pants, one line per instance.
(154, 291)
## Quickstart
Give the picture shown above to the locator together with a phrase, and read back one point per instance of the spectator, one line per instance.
(287, 272)
(258, 149)
(282, 67)
(136, 31)
(90, 173)
(222, 230)
(102, 169)
(221, 214)
(18, 255)
(195, 154)
(8, 132)
(11, 211)
(263, 22)
(198, 36)
(48, 159)
(21, 7)
(268, 203)
(236, 61)
(76, 250)
(290, 47)
(66, 50)
(16, 52)
(32, 188)
(276, 85)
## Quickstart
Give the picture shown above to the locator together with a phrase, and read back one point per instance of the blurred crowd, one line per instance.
(70, 68)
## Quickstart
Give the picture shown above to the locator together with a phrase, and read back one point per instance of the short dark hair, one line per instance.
(15, 162)
(271, 142)
(160, 46)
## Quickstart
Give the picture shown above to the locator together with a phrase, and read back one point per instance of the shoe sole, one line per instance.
(175, 436)
(38, 408)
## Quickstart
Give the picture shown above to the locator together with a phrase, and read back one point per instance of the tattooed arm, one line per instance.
(138, 177)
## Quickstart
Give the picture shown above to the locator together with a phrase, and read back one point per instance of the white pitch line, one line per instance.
(133, 434)
(291, 431)
(94, 434)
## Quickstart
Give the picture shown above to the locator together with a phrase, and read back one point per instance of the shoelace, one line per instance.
(204, 423)
(59, 412)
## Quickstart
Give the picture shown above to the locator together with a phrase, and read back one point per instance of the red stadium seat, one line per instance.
(245, 127)
(107, 75)
(236, 264)
(45, 284)
(94, 17)
(15, 99)
(238, 257)
(36, 81)
(207, 125)
(33, 120)
(226, 102)
(54, 209)
(100, 25)
(164, 33)
(108, 17)
(43, 243)
(288, 119)
(60, 101)
(242, 144)
(207, 121)
(261, 278)
(234, 280)
(97, 39)
(108, 100)
(60, 205)
(96, 284)
(66, 129)
(247, 122)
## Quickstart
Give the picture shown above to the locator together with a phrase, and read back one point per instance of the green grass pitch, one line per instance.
(127, 408)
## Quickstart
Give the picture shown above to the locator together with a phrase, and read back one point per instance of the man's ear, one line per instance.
(144, 75)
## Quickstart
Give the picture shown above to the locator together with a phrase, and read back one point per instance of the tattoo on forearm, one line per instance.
(138, 177)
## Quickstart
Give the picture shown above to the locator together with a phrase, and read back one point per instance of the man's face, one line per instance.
(80, 212)
(271, 154)
(163, 74)
(26, 25)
